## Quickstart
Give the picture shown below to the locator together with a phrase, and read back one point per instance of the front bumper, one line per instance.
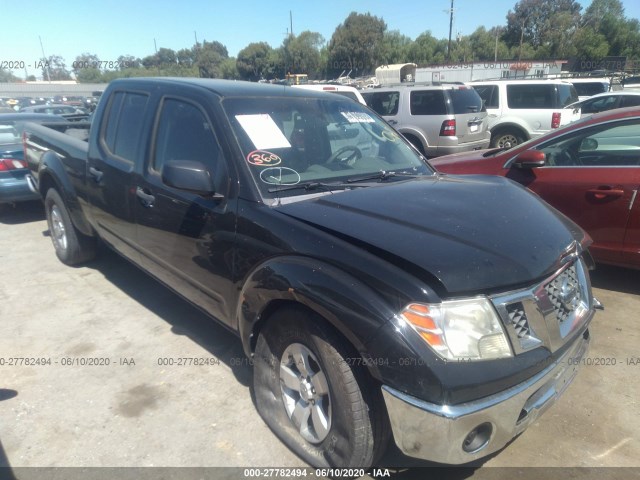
(438, 432)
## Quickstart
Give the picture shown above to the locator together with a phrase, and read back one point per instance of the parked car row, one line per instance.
(85, 104)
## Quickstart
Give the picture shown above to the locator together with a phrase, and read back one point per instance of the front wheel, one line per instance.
(72, 247)
(312, 394)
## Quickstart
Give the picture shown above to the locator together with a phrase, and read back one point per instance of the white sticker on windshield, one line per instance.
(357, 117)
(263, 131)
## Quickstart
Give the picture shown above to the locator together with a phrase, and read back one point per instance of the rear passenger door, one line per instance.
(186, 239)
(111, 166)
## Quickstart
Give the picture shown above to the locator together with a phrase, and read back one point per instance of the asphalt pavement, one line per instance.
(118, 371)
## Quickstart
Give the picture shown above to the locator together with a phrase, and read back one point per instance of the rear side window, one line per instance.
(588, 89)
(531, 96)
(630, 101)
(383, 103)
(567, 95)
(350, 95)
(428, 102)
(465, 100)
(489, 94)
(124, 124)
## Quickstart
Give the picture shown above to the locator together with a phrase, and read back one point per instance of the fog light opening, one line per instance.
(522, 416)
(478, 438)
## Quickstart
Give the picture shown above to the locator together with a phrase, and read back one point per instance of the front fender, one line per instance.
(350, 305)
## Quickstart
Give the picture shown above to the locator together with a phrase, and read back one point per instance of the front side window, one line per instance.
(289, 141)
(383, 103)
(599, 104)
(616, 145)
(184, 133)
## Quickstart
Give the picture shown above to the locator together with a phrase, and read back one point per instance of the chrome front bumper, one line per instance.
(438, 432)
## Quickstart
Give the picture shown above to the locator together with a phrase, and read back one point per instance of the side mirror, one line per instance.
(189, 175)
(530, 159)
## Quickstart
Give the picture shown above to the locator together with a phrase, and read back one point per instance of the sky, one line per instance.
(110, 28)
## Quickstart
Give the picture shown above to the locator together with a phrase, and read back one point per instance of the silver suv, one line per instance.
(437, 119)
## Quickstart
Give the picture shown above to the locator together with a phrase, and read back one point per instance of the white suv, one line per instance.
(523, 109)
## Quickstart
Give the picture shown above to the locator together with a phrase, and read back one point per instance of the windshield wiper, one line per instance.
(310, 186)
(382, 175)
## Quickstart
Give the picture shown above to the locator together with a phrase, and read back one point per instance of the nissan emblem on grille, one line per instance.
(564, 293)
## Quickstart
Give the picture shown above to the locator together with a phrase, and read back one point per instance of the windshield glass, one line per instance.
(294, 140)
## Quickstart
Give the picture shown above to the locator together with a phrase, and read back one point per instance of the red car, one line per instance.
(589, 170)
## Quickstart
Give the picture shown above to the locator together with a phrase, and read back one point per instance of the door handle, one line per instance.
(146, 198)
(96, 174)
(392, 122)
(603, 192)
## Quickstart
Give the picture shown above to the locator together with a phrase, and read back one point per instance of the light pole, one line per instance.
(450, 29)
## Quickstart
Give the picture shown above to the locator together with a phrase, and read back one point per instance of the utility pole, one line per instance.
(450, 30)
(291, 21)
(46, 61)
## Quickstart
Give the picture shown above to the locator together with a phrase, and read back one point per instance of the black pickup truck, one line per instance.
(375, 297)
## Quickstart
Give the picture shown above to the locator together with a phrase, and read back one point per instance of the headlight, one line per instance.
(460, 329)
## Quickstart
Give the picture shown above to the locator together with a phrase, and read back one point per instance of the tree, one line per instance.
(423, 49)
(128, 61)
(487, 45)
(302, 53)
(253, 61)
(7, 76)
(229, 70)
(209, 57)
(54, 68)
(86, 68)
(186, 57)
(542, 22)
(162, 58)
(394, 48)
(355, 44)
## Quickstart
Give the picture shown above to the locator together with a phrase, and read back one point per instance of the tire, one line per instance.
(416, 143)
(342, 422)
(71, 246)
(501, 137)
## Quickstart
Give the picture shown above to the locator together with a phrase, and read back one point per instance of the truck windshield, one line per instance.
(298, 140)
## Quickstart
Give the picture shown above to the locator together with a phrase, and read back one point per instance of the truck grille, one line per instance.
(518, 319)
(560, 289)
(548, 312)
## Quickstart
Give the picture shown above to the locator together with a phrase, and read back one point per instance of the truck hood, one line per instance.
(473, 233)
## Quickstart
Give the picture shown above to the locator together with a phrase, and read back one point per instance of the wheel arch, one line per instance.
(510, 126)
(351, 308)
(53, 175)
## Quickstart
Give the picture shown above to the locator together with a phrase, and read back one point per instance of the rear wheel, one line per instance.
(506, 139)
(72, 247)
(319, 403)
